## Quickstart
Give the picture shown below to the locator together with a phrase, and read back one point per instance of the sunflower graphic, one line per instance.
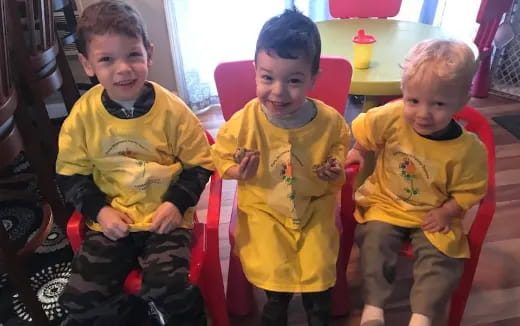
(408, 172)
(288, 177)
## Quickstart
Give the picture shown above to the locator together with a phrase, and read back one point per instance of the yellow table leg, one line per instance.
(370, 102)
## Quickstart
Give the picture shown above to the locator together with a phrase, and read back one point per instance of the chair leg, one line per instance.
(212, 288)
(42, 166)
(239, 293)
(480, 87)
(340, 298)
(461, 294)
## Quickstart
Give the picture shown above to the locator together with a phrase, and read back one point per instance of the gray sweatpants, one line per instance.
(435, 274)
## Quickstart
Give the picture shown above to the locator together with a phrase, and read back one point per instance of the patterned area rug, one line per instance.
(48, 267)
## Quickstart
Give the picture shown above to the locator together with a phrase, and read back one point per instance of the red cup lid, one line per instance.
(363, 38)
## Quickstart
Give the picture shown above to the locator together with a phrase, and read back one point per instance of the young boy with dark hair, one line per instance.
(290, 168)
(133, 159)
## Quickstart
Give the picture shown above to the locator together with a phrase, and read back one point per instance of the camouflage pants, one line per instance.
(94, 294)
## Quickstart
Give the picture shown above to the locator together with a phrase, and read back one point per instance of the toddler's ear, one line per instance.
(315, 77)
(89, 70)
(149, 51)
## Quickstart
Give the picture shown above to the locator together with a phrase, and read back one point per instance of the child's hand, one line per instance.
(247, 167)
(329, 170)
(437, 220)
(166, 218)
(114, 224)
(355, 156)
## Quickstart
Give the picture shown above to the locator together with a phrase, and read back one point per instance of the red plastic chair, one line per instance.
(364, 8)
(489, 16)
(236, 86)
(473, 121)
(205, 269)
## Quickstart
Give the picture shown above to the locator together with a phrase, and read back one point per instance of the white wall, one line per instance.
(153, 12)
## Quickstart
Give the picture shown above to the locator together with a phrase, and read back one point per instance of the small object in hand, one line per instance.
(240, 153)
(325, 165)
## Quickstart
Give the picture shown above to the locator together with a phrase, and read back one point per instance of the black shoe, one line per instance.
(156, 317)
(138, 314)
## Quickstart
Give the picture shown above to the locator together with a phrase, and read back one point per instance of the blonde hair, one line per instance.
(448, 60)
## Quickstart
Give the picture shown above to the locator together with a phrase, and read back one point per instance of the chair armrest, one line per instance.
(205, 247)
(479, 227)
(351, 172)
(214, 202)
(76, 230)
(346, 218)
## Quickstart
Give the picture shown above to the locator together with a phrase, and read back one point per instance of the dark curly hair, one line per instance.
(291, 35)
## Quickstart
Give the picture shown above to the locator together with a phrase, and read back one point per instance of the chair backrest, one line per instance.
(364, 8)
(236, 86)
(474, 121)
(489, 16)
(38, 24)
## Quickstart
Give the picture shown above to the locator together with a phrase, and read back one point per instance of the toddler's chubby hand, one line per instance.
(328, 170)
(114, 224)
(166, 218)
(437, 220)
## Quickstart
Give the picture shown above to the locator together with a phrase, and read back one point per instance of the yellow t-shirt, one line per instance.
(133, 161)
(414, 174)
(286, 235)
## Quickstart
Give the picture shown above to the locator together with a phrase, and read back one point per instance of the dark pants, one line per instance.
(94, 294)
(317, 306)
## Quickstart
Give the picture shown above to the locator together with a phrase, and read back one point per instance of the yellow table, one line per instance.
(393, 40)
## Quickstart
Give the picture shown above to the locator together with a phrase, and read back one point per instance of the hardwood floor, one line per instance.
(495, 296)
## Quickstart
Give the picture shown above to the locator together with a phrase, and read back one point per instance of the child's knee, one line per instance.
(78, 301)
(178, 283)
(374, 234)
(163, 289)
